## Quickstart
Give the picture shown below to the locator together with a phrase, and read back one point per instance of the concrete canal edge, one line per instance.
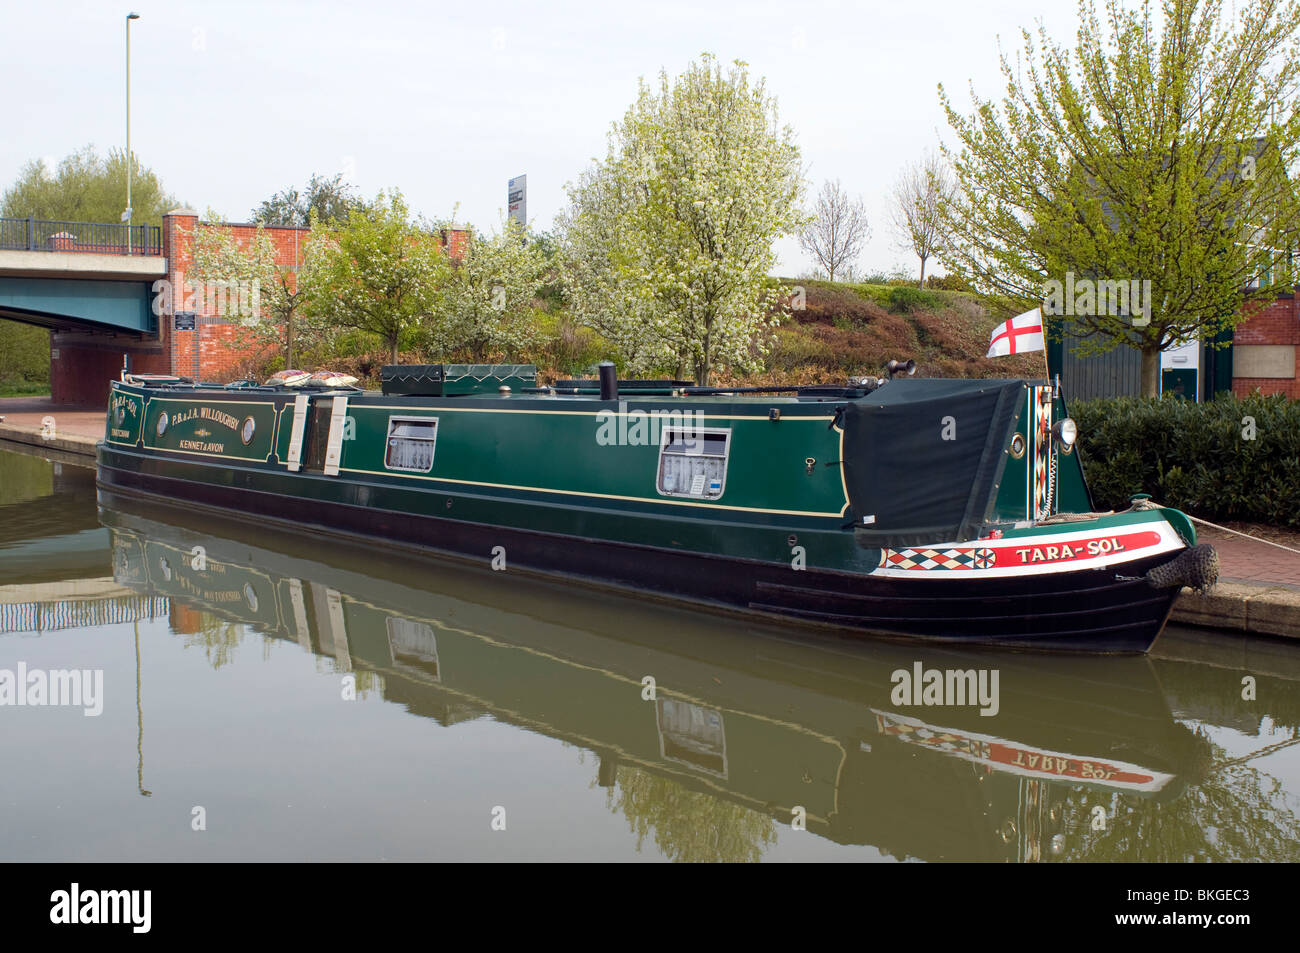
(75, 444)
(1235, 606)
(1243, 607)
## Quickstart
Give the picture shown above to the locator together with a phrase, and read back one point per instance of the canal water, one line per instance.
(241, 694)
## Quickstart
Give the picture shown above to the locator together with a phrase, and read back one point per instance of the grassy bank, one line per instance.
(843, 330)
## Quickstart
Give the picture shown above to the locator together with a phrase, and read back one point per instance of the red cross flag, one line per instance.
(1022, 333)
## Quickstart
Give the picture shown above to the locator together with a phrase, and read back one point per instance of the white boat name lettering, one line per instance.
(207, 413)
(1084, 548)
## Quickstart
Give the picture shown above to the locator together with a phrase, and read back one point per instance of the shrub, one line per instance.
(947, 283)
(1196, 457)
(907, 298)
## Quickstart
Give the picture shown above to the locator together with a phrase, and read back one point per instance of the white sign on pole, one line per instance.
(517, 199)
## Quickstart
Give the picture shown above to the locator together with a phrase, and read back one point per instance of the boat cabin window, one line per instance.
(410, 443)
(693, 462)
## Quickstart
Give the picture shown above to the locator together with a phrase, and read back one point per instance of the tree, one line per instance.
(673, 232)
(329, 199)
(605, 289)
(219, 256)
(87, 188)
(485, 304)
(689, 826)
(839, 230)
(923, 192)
(1155, 155)
(378, 272)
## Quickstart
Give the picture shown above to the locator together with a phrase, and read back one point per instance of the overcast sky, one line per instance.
(234, 101)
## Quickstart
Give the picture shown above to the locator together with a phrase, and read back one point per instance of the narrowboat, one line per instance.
(932, 509)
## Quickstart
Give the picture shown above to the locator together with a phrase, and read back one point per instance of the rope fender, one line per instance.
(1197, 568)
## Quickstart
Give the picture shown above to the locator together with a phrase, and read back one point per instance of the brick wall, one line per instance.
(216, 350)
(1275, 325)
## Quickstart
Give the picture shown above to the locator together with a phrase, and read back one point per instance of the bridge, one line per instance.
(75, 604)
(92, 285)
(78, 276)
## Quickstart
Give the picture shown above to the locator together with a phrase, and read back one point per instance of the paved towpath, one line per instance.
(27, 412)
(1245, 560)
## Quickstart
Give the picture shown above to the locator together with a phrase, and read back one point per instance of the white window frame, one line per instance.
(405, 419)
(664, 433)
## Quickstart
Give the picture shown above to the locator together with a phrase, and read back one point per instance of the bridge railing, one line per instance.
(33, 234)
(37, 617)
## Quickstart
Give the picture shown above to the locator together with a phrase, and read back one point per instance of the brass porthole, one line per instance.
(1018, 446)
(247, 431)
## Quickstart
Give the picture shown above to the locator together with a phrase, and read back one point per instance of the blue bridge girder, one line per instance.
(79, 303)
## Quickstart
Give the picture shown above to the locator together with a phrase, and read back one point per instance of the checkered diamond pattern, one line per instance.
(936, 738)
(938, 558)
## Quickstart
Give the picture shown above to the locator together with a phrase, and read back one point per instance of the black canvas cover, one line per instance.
(922, 458)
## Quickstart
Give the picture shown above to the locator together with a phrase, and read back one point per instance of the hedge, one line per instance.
(1228, 459)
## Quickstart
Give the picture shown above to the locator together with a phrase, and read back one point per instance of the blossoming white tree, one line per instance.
(485, 304)
(669, 240)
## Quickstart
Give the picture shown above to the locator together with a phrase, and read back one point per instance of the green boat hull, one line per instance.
(568, 487)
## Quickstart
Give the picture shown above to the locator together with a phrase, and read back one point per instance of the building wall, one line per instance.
(219, 350)
(1117, 373)
(1265, 346)
(1265, 355)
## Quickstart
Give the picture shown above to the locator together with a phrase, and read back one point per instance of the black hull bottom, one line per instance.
(1082, 612)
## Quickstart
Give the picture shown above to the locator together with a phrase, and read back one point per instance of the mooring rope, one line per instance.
(1262, 752)
(1197, 519)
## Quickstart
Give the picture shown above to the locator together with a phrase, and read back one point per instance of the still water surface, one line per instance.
(230, 656)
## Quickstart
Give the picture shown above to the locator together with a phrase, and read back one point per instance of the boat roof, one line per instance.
(877, 392)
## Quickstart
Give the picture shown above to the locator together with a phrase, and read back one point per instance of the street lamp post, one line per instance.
(126, 216)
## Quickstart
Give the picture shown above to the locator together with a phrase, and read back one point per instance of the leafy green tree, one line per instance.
(689, 826)
(1154, 152)
(24, 354)
(486, 303)
(378, 272)
(671, 236)
(330, 200)
(87, 188)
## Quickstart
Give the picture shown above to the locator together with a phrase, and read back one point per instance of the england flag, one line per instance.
(1022, 333)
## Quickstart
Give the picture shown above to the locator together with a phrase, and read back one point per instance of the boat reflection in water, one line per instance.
(1083, 758)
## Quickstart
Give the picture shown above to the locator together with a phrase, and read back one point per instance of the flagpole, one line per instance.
(1047, 369)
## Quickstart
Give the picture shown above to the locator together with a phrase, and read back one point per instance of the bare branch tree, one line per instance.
(916, 207)
(835, 238)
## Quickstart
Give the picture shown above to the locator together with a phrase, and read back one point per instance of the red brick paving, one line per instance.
(1246, 560)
